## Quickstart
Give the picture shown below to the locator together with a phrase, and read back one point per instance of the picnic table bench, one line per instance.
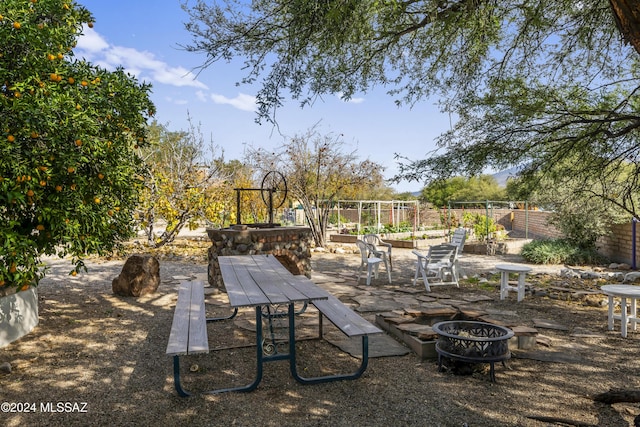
(189, 328)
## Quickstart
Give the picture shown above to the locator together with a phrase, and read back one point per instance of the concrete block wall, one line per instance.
(618, 245)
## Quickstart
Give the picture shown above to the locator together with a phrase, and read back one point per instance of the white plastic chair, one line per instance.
(373, 240)
(458, 238)
(437, 264)
(370, 262)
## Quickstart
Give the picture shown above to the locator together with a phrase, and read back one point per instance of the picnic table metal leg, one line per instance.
(176, 378)
(327, 378)
(259, 361)
(231, 316)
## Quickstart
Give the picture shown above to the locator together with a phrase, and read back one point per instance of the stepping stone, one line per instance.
(477, 298)
(425, 298)
(455, 303)
(417, 328)
(412, 290)
(439, 296)
(549, 324)
(399, 320)
(406, 300)
(380, 345)
(372, 303)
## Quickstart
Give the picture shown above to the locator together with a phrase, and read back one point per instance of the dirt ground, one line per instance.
(99, 359)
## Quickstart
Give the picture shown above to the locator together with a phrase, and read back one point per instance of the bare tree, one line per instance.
(318, 173)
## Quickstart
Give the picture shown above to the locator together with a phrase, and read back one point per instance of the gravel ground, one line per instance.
(99, 359)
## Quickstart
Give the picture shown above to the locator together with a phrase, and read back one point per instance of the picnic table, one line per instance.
(264, 284)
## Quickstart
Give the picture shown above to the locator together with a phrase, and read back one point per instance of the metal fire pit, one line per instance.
(473, 342)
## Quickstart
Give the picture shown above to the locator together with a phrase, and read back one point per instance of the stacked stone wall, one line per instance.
(290, 245)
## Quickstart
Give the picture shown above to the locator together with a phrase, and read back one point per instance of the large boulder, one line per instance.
(140, 275)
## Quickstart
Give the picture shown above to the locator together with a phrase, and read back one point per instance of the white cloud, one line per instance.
(201, 96)
(242, 102)
(144, 65)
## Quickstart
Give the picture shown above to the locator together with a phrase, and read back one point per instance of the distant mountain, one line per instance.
(502, 176)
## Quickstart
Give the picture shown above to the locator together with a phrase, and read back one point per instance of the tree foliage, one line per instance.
(318, 173)
(68, 132)
(181, 183)
(460, 189)
(530, 82)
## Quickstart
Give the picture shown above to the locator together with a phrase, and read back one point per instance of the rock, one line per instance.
(632, 277)
(569, 273)
(5, 368)
(140, 275)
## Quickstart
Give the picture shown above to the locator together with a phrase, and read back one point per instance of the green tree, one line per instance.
(461, 189)
(181, 182)
(318, 173)
(532, 82)
(68, 132)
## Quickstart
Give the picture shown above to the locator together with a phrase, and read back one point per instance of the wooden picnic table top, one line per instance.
(253, 280)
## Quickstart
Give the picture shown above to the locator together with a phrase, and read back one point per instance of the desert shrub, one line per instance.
(559, 251)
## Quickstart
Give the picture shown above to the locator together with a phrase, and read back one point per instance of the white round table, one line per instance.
(623, 292)
(504, 270)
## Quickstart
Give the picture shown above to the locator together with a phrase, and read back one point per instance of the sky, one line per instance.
(145, 38)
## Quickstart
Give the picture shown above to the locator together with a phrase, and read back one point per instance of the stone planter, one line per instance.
(18, 315)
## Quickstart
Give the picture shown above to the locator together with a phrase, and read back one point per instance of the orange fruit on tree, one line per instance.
(71, 169)
(58, 187)
(71, 80)
(30, 193)
(11, 138)
(40, 227)
(100, 176)
(90, 24)
(73, 187)
(17, 94)
(79, 142)
(96, 200)
(74, 273)
(13, 268)
(34, 134)
(16, 25)
(43, 183)
(84, 83)
(50, 57)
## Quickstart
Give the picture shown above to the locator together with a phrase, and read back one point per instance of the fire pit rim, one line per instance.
(437, 329)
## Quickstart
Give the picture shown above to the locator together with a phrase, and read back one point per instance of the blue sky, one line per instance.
(144, 36)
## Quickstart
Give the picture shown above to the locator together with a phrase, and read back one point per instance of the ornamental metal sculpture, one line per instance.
(273, 191)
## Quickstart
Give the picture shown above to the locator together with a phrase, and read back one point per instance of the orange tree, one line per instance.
(68, 134)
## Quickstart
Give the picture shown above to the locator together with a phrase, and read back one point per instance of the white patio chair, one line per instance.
(458, 238)
(438, 264)
(374, 241)
(371, 263)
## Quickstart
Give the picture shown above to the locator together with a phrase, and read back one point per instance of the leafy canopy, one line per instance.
(530, 82)
(68, 132)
